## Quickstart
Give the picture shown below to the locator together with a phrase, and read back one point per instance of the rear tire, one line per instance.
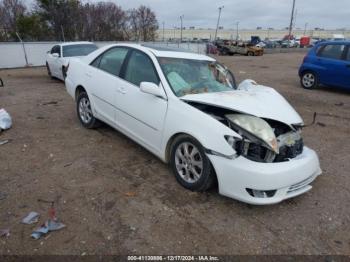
(190, 164)
(309, 80)
(84, 112)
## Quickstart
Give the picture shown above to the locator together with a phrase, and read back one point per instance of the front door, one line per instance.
(54, 61)
(141, 115)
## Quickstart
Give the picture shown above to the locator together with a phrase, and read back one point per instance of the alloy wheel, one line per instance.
(308, 80)
(85, 112)
(189, 162)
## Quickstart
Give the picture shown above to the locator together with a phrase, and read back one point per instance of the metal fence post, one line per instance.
(24, 49)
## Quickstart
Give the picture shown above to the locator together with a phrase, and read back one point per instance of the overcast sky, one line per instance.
(251, 13)
(328, 14)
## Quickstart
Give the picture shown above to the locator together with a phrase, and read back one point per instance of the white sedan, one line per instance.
(187, 109)
(57, 59)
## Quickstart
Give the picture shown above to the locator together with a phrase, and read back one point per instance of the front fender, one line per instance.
(183, 118)
(311, 67)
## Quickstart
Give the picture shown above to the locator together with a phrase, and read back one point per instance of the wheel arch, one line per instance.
(78, 90)
(309, 70)
(170, 143)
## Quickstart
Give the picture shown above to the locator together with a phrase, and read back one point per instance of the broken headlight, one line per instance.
(254, 129)
(263, 141)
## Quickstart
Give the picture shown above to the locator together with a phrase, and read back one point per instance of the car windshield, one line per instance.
(78, 50)
(188, 76)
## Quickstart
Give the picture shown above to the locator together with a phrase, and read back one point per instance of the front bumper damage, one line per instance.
(239, 177)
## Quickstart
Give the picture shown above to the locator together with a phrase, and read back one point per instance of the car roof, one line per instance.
(164, 51)
(76, 43)
(345, 42)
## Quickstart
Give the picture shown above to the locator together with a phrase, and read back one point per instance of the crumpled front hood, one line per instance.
(252, 99)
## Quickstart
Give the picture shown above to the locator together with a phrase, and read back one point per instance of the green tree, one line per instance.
(33, 28)
(61, 17)
(10, 10)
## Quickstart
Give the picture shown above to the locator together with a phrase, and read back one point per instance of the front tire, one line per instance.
(190, 164)
(84, 112)
(309, 80)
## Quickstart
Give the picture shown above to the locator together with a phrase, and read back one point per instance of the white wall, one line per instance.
(12, 54)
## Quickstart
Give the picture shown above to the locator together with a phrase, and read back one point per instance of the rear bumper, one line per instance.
(287, 179)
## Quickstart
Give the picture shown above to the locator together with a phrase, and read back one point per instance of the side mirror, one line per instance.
(152, 89)
(55, 55)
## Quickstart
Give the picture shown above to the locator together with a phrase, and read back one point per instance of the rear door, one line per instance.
(331, 58)
(102, 78)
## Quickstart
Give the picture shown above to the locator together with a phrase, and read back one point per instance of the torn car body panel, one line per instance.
(251, 99)
(286, 179)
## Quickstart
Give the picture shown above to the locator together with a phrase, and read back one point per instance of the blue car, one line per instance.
(327, 63)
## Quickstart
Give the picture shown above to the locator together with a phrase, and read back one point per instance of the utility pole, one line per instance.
(64, 40)
(217, 25)
(181, 17)
(291, 23)
(295, 18)
(237, 36)
(163, 32)
(305, 27)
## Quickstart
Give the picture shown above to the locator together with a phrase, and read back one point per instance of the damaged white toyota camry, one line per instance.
(187, 109)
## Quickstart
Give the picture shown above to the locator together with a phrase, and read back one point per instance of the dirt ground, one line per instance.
(117, 198)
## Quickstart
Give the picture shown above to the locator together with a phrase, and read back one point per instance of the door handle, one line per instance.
(121, 90)
(348, 66)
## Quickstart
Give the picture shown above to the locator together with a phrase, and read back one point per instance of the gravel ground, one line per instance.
(117, 198)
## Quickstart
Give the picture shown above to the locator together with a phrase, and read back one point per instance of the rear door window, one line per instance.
(140, 68)
(112, 60)
(332, 51)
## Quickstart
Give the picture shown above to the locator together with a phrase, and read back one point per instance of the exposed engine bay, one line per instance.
(263, 140)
